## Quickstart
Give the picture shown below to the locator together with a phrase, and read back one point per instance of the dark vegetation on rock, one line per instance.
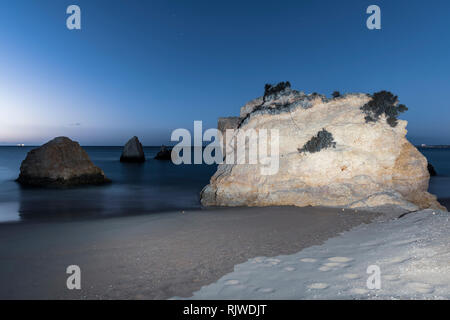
(271, 106)
(271, 89)
(336, 94)
(322, 140)
(383, 102)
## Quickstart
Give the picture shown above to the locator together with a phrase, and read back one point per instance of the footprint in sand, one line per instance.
(309, 260)
(421, 287)
(232, 282)
(324, 268)
(332, 264)
(398, 260)
(340, 259)
(272, 261)
(351, 276)
(318, 285)
(266, 290)
(371, 244)
(289, 269)
(391, 277)
(404, 242)
(359, 291)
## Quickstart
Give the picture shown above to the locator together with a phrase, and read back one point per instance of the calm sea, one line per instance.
(136, 189)
(154, 186)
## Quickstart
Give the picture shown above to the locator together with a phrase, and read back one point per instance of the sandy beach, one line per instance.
(156, 256)
(404, 258)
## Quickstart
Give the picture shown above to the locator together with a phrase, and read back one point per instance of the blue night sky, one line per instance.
(147, 67)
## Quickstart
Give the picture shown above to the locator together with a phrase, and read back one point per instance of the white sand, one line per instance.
(413, 254)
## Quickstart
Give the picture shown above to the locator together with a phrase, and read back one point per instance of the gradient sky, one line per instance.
(147, 67)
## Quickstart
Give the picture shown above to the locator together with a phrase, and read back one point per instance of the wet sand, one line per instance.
(156, 256)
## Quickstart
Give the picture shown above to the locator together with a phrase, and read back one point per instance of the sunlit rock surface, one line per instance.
(368, 164)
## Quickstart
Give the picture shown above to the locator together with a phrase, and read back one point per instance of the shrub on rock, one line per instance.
(271, 89)
(383, 102)
(322, 140)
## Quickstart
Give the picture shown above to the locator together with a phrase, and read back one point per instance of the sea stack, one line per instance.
(133, 151)
(59, 162)
(348, 151)
(432, 170)
(164, 153)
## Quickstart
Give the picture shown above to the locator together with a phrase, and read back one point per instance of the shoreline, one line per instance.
(157, 256)
(445, 202)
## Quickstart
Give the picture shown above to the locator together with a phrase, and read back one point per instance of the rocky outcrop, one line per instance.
(133, 151)
(339, 152)
(225, 123)
(432, 170)
(164, 153)
(59, 162)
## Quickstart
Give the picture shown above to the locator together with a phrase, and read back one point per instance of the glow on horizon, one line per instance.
(130, 72)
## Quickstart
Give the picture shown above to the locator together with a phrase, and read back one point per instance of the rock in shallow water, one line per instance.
(59, 162)
(369, 164)
(164, 154)
(133, 151)
(431, 170)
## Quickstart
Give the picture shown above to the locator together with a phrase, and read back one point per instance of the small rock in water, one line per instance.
(164, 154)
(133, 151)
(431, 170)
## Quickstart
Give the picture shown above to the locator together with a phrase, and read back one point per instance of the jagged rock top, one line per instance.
(287, 100)
(59, 162)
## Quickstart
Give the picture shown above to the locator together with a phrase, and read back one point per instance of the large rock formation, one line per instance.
(59, 162)
(340, 152)
(133, 151)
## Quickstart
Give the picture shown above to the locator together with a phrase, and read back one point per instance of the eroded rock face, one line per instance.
(367, 165)
(59, 162)
(227, 123)
(133, 151)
